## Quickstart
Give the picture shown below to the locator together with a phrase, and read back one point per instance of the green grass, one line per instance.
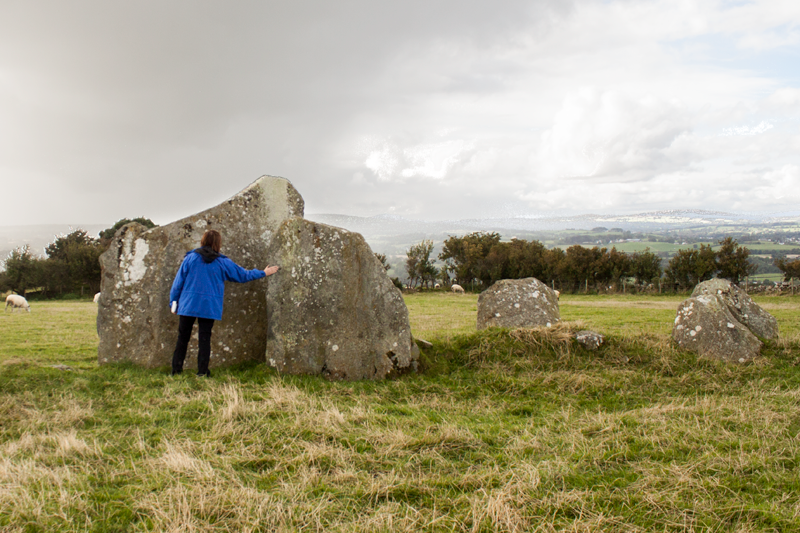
(770, 246)
(506, 431)
(441, 314)
(770, 277)
(641, 246)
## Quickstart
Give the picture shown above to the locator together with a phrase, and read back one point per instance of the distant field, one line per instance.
(771, 246)
(505, 431)
(631, 247)
(770, 277)
(672, 248)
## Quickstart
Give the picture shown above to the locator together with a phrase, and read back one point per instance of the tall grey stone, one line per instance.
(332, 309)
(134, 322)
(518, 303)
(750, 314)
(704, 324)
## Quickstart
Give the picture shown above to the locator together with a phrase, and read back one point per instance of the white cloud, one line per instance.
(784, 99)
(781, 185)
(747, 130)
(384, 161)
(428, 160)
(434, 160)
(607, 134)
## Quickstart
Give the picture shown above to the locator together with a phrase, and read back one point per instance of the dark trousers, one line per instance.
(204, 344)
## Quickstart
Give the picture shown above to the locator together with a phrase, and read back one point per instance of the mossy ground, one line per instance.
(506, 431)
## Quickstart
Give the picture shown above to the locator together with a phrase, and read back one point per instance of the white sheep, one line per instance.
(15, 300)
(97, 297)
(558, 294)
(457, 288)
(437, 286)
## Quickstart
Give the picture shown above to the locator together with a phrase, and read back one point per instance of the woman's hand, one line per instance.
(270, 270)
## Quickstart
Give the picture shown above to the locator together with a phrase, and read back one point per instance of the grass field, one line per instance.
(505, 431)
(768, 277)
(658, 246)
(630, 247)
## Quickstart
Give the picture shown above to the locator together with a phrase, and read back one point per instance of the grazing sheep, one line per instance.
(558, 293)
(457, 288)
(97, 297)
(437, 286)
(15, 300)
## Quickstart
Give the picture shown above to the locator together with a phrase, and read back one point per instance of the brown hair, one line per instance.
(213, 239)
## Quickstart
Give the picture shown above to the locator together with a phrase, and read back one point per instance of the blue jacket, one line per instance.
(199, 285)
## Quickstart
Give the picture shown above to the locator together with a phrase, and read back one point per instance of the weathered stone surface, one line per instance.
(518, 303)
(750, 314)
(589, 339)
(705, 325)
(332, 310)
(134, 321)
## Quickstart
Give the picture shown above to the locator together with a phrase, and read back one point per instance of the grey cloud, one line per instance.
(160, 108)
(116, 94)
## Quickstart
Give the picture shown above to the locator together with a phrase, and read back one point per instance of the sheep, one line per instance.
(437, 286)
(558, 294)
(96, 297)
(456, 288)
(15, 300)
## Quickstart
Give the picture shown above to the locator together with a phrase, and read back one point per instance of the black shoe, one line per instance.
(176, 372)
(206, 375)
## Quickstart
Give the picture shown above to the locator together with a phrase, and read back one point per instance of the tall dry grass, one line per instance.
(518, 430)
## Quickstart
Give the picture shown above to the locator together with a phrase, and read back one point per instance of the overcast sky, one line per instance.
(425, 109)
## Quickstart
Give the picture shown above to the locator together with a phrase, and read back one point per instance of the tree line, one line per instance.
(71, 264)
(481, 259)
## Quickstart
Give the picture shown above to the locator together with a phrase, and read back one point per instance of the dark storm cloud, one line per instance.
(430, 109)
(168, 96)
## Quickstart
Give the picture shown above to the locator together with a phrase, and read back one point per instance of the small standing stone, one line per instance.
(705, 325)
(744, 309)
(518, 303)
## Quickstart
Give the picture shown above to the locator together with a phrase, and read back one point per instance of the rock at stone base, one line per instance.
(589, 339)
(332, 309)
(422, 343)
(518, 303)
(746, 311)
(134, 321)
(705, 325)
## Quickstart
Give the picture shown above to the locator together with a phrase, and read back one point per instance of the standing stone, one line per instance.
(705, 325)
(750, 314)
(518, 303)
(332, 309)
(134, 321)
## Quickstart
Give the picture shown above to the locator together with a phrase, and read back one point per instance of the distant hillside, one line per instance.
(393, 235)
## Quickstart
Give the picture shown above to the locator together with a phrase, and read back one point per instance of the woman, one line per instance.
(197, 293)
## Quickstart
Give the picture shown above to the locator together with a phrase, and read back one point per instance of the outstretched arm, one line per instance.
(270, 270)
(237, 274)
